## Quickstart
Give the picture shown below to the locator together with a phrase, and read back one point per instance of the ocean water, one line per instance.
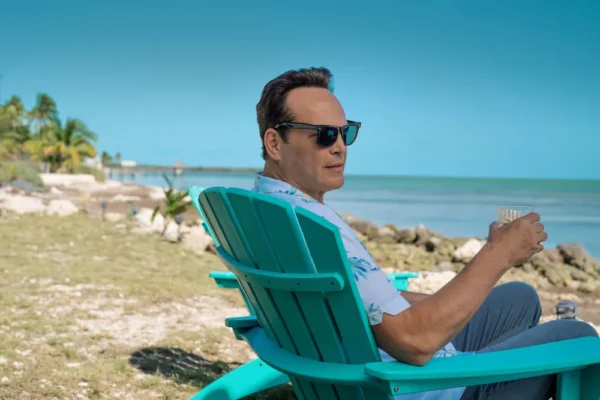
(570, 210)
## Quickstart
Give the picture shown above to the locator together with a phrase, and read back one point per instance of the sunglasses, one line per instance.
(326, 134)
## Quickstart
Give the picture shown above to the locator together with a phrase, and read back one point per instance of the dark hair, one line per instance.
(271, 108)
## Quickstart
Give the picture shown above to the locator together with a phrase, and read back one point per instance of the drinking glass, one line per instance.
(508, 214)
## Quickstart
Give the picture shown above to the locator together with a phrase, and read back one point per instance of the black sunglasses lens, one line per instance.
(327, 136)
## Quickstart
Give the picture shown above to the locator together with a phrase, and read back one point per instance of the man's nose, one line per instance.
(339, 147)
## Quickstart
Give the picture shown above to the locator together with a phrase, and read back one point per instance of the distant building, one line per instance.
(128, 164)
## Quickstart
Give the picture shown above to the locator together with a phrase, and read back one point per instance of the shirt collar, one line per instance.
(264, 184)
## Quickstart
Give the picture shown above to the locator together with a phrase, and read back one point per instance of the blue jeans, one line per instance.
(508, 319)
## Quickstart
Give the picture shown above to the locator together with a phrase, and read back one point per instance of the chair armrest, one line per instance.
(294, 365)
(476, 369)
(400, 279)
(224, 279)
(249, 321)
(227, 280)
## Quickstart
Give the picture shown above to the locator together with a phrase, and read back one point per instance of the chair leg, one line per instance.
(590, 384)
(245, 380)
(568, 385)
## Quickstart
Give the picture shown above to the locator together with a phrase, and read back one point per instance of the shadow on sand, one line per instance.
(188, 368)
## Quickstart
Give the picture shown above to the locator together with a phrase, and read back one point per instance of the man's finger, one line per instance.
(541, 237)
(538, 228)
(539, 248)
(495, 225)
(532, 217)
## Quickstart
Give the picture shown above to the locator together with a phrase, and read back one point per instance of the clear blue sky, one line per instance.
(450, 88)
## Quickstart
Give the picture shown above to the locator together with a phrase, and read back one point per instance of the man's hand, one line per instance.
(415, 334)
(518, 240)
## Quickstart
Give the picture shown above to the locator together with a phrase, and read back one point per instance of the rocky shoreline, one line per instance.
(568, 266)
(418, 249)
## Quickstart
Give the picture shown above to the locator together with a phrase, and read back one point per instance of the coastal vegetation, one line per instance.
(175, 205)
(38, 140)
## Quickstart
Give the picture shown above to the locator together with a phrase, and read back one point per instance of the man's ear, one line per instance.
(272, 142)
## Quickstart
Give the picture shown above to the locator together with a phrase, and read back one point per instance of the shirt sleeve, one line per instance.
(377, 292)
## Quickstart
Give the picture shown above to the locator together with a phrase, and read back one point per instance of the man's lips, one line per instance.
(335, 166)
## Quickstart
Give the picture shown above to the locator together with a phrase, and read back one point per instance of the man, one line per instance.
(305, 135)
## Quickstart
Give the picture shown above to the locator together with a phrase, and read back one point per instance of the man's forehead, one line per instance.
(316, 106)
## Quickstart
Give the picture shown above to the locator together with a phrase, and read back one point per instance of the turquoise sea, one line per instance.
(570, 210)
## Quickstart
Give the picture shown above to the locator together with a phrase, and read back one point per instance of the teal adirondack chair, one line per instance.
(309, 323)
(227, 280)
(266, 376)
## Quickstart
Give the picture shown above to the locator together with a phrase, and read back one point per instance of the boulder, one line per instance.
(144, 219)
(575, 255)
(587, 287)
(406, 235)
(557, 274)
(386, 235)
(423, 235)
(62, 208)
(21, 204)
(198, 240)
(368, 229)
(467, 251)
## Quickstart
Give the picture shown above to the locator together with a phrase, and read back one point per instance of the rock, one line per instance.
(423, 235)
(587, 287)
(123, 198)
(21, 204)
(575, 255)
(546, 257)
(144, 218)
(557, 274)
(172, 233)
(197, 239)
(62, 208)
(366, 228)
(444, 266)
(444, 247)
(411, 258)
(430, 282)
(467, 251)
(406, 236)
(157, 194)
(432, 244)
(579, 275)
(386, 235)
(54, 179)
(459, 241)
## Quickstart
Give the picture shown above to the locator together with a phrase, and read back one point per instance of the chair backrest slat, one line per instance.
(260, 241)
(257, 297)
(260, 231)
(237, 248)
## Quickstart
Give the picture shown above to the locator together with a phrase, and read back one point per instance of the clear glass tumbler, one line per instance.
(508, 214)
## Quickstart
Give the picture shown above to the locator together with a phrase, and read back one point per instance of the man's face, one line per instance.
(313, 169)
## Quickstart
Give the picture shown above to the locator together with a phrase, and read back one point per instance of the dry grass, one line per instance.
(93, 311)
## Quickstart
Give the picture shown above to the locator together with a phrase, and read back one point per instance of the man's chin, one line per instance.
(334, 182)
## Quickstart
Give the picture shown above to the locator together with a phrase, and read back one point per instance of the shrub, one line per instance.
(10, 171)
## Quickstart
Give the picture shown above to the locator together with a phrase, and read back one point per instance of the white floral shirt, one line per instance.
(377, 292)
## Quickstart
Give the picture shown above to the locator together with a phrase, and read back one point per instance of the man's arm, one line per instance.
(415, 334)
(413, 297)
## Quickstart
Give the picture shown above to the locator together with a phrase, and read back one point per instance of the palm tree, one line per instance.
(64, 147)
(13, 131)
(44, 112)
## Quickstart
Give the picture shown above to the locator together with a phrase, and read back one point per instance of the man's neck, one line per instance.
(273, 172)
